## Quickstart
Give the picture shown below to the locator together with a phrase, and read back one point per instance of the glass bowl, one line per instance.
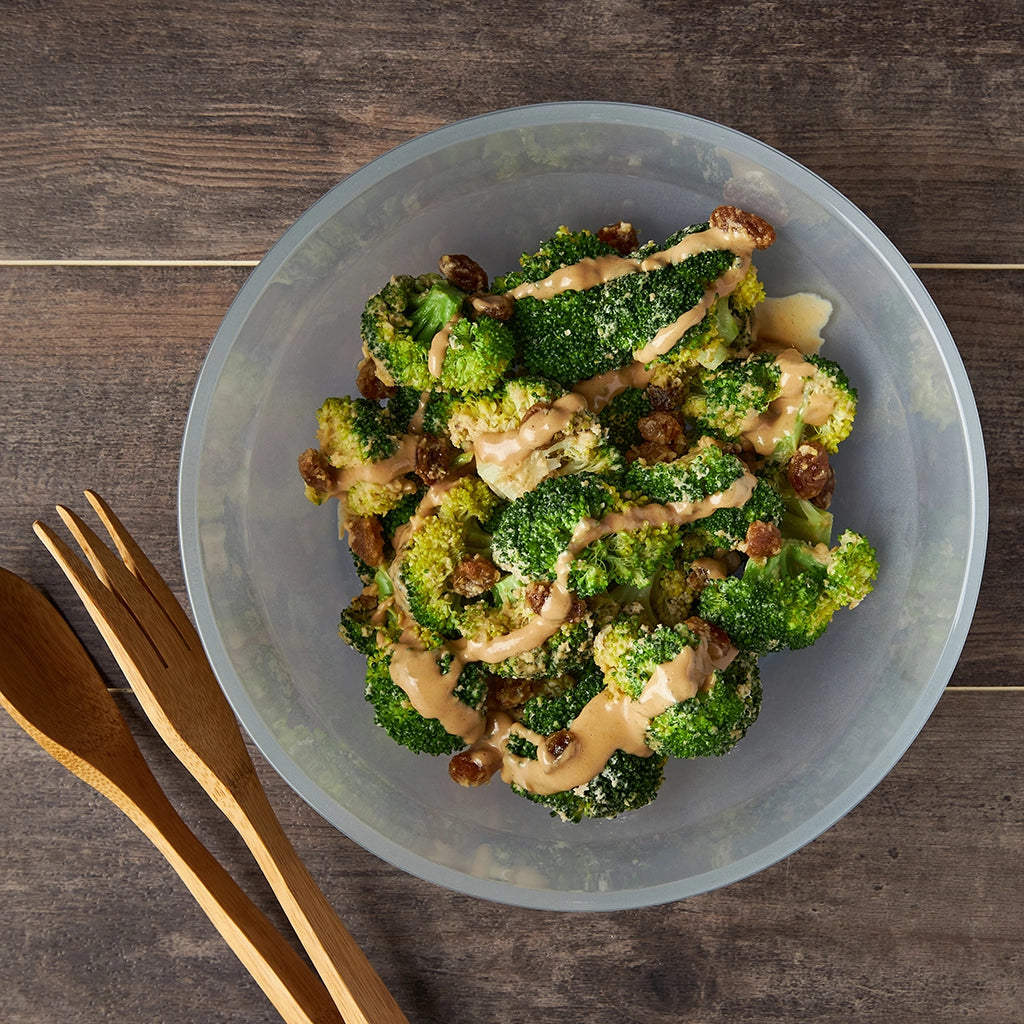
(267, 575)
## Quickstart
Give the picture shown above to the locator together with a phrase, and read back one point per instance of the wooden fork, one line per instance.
(51, 688)
(160, 653)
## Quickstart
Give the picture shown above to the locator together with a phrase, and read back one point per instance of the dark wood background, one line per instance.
(169, 131)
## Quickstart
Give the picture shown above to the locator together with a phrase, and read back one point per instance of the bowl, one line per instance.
(267, 575)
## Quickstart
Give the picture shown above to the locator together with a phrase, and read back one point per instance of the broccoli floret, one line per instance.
(801, 518)
(401, 513)
(353, 432)
(787, 601)
(563, 248)
(637, 306)
(628, 652)
(485, 425)
(625, 783)
(437, 547)
(704, 470)
(394, 712)
(468, 417)
(624, 557)
(726, 528)
(564, 651)
(358, 625)
(399, 323)
(531, 532)
(735, 403)
(621, 416)
(479, 351)
(574, 335)
(715, 720)
(832, 385)
(722, 334)
(401, 407)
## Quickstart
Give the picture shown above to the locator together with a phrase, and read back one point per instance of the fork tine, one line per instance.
(117, 626)
(136, 598)
(143, 569)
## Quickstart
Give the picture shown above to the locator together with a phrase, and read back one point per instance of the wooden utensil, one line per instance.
(51, 688)
(162, 656)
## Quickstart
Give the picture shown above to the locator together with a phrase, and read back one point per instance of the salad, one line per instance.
(585, 499)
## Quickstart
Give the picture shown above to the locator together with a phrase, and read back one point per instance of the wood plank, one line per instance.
(981, 311)
(911, 908)
(98, 367)
(204, 131)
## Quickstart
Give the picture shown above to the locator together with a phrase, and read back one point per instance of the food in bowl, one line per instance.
(585, 499)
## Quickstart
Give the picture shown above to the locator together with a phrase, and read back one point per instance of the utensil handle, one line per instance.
(280, 972)
(346, 972)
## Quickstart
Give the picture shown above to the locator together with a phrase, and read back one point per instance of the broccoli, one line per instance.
(578, 334)
(394, 713)
(734, 402)
(714, 720)
(436, 548)
(353, 433)
(506, 610)
(532, 532)
(628, 557)
(400, 322)
(723, 334)
(621, 416)
(787, 601)
(467, 417)
(628, 652)
(495, 500)
(626, 782)
(358, 625)
(704, 470)
(726, 528)
(568, 438)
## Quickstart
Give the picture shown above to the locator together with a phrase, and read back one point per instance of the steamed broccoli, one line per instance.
(628, 652)
(723, 334)
(621, 416)
(726, 528)
(394, 713)
(527, 545)
(788, 601)
(626, 782)
(704, 470)
(713, 720)
(524, 431)
(435, 550)
(577, 334)
(353, 434)
(400, 322)
(734, 402)
(532, 532)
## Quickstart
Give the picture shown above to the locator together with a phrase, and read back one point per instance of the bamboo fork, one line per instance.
(159, 651)
(50, 687)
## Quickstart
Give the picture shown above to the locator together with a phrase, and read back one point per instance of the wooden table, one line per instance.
(151, 151)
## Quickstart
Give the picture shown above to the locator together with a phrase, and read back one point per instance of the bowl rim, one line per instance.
(578, 113)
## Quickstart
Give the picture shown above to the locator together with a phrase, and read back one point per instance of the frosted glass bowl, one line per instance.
(267, 576)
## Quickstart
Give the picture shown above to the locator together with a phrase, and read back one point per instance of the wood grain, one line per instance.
(908, 909)
(181, 131)
(232, 119)
(98, 366)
